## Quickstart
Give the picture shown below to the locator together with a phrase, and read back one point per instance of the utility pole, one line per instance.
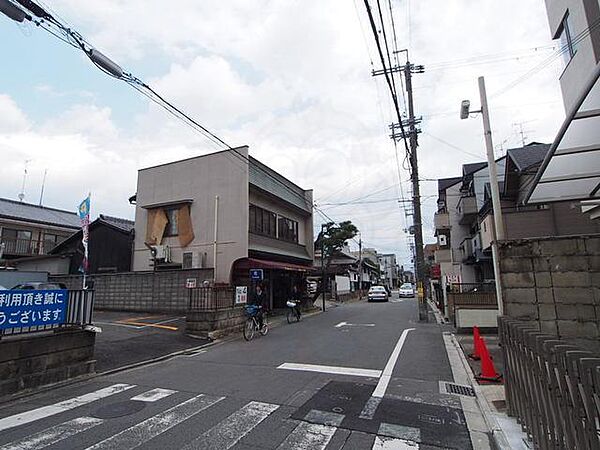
(414, 175)
(323, 288)
(360, 269)
(408, 129)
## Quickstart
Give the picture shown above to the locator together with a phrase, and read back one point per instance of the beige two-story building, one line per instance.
(228, 212)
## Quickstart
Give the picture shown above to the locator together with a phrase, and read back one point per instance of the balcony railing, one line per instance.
(467, 209)
(25, 247)
(441, 220)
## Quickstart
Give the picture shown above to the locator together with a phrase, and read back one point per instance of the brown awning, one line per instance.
(253, 263)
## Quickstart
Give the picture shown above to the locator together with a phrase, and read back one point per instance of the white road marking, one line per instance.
(346, 324)
(389, 367)
(385, 443)
(324, 417)
(137, 435)
(357, 372)
(51, 410)
(153, 395)
(229, 431)
(308, 436)
(399, 432)
(369, 409)
(53, 434)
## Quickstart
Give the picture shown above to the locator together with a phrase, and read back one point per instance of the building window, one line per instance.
(262, 221)
(172, 228)
(288, 229)
(567, 47)
(50, 241)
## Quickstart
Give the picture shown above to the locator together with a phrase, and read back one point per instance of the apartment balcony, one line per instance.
(441, 220)
(467, 210)
(24, 247)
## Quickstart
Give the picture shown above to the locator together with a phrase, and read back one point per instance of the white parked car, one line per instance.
(377, 294)
(406, 290)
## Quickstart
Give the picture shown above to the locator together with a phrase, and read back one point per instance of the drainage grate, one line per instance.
(458, 389)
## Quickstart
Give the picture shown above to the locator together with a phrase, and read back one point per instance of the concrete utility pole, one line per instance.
(414, 176)
(360, 270)
(408, 129)
(498, 232)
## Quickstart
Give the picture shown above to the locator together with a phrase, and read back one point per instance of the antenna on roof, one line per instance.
(43, 184)
(22, 193)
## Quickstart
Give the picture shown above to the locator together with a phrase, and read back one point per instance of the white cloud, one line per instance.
(12, 119)
(292, 80)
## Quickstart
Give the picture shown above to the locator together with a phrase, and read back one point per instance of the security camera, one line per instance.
(464, 109)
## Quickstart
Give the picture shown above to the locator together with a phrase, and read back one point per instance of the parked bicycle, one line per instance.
(293, 313)
(252, 324)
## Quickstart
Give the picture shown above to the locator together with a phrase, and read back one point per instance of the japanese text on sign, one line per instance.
(28, 308)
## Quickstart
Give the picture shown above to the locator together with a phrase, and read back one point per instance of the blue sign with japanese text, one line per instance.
(256, 274)
(29, 308)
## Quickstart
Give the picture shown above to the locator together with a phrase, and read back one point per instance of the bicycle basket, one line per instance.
(291, 304)
(252, 310)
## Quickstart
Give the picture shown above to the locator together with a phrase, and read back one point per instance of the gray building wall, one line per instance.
(201, 179)
(10, 278)
(582, 14)
(458, 233)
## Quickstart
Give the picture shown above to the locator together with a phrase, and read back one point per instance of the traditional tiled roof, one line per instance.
(12, 209)
(124, 224)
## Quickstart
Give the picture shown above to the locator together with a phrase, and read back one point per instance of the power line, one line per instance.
(75, 39)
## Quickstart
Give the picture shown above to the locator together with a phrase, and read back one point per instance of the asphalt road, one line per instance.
(273, 392)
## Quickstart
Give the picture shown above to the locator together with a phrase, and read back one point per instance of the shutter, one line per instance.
(184, 222)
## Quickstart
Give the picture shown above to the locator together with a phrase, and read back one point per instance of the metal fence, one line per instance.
(551, 387)
(80, 310)
(211, 298)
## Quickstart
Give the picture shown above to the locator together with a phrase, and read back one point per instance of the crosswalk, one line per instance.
(177, 417)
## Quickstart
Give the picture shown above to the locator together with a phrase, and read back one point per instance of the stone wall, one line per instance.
(28, 361)
(556, 283)
(162, 292)
(214, 324)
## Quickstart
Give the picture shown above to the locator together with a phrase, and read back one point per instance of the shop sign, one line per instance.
(241, 295)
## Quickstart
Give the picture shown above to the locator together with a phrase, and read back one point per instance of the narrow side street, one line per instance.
(361, 375)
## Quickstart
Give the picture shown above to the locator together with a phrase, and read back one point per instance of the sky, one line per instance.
(289, 78)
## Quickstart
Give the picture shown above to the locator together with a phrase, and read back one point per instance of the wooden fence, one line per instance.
(553, 388)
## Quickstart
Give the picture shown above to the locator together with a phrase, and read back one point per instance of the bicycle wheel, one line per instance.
(290, 316)
(249, 329)
(298, 315)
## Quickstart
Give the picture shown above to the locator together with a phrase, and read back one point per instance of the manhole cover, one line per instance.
(119, 409)
(457, 389)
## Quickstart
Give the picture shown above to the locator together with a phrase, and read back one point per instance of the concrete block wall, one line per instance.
(214, 324)
(28, 361)
(162, 292)
(555, 282)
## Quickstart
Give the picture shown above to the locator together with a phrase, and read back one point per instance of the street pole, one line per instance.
(498, 229)
(323, 264)
(360, 270)
(417, 221)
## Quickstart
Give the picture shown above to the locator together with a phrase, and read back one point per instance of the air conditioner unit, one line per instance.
(163, 253)
(187, 261)
(194, 260)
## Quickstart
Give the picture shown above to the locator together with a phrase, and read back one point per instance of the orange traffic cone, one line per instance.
(488, 371)
(476, 355)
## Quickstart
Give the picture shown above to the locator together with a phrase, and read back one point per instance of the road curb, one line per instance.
(463, 374)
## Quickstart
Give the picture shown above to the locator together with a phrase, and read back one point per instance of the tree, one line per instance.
(332, 238)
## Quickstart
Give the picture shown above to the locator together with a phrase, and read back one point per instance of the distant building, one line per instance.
(225, 211)
(32, 230)
(389, 269)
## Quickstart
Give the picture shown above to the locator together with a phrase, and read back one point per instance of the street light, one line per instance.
(498, 229)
